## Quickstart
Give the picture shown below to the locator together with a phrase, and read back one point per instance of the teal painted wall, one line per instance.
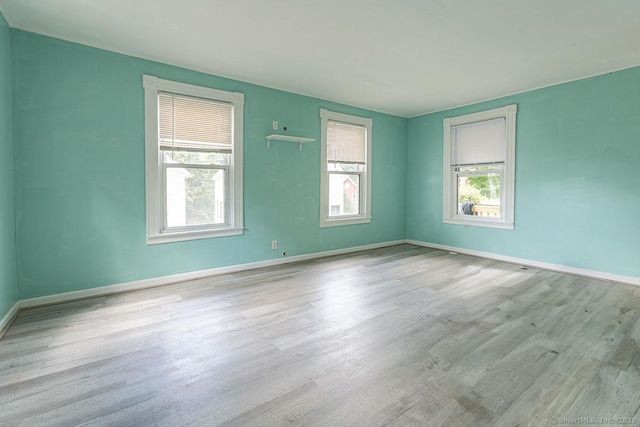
(79, 137)
(8, 280)
(577, 184)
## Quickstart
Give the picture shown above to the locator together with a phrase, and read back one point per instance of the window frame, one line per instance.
(326, 220)
(450, 175)
(157, 232)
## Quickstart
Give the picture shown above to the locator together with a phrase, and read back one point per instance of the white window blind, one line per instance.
(480, 143)
(192, 124)
(346, 143)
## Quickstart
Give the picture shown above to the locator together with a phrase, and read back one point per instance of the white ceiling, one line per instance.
(405, 57)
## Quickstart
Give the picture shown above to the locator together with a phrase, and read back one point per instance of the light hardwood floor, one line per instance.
(397, 336)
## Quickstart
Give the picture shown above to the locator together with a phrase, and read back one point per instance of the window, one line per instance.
(479, 168)
(346, 169)
(193, 161)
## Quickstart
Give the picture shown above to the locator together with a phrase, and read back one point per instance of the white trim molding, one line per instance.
(593, 274)
(167, 280)
(175, 278)
(157, 232)
(450, 214)
(9, 318)
(365, 186)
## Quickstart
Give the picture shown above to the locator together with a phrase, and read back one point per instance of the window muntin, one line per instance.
(479, 168)
(194, 161)
(346, 169)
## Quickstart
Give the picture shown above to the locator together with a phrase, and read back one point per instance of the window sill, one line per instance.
(478, 223)
(336, 222)
(158, 239)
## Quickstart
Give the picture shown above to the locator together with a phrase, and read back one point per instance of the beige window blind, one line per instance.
(192, 124)
(346, 143)
(480, 143)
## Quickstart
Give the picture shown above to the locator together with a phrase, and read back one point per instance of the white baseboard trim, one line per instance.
(8, 318)
(532, 263)
(167, 280)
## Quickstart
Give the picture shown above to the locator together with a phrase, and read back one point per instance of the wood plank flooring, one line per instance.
(398, 336)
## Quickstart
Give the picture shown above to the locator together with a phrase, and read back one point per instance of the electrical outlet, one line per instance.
(274, 244)
(275, 125)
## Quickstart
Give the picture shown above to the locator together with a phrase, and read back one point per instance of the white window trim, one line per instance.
(365, 204)
(153, 168)
(450, 211)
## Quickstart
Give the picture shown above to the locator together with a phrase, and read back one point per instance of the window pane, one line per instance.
(344, 194)
(195, 196)
(479, 194)
(346, 167)
(194, 157)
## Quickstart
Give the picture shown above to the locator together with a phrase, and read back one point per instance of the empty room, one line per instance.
(335, 213)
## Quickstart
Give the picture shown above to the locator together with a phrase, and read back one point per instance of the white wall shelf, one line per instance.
(287, 138)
